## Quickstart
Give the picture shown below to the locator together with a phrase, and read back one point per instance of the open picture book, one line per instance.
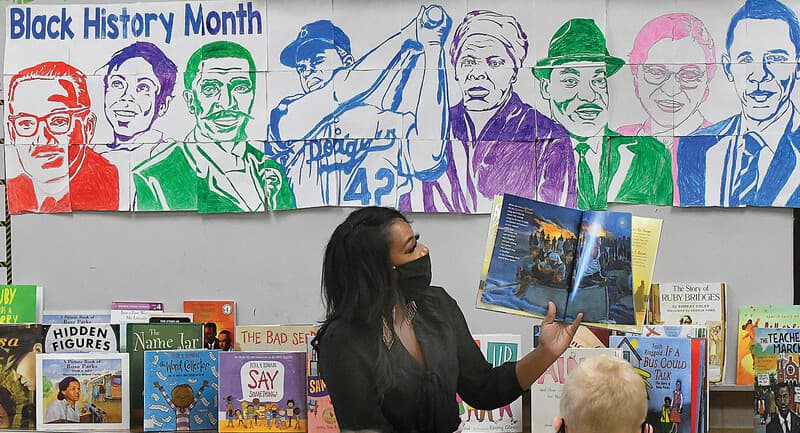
(580, 260)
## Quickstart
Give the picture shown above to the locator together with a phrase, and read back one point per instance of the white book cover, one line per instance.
(498, 349)
(694, 304)
(82, 391)
(547, 390)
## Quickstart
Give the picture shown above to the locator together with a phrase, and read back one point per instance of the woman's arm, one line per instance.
(553, 341)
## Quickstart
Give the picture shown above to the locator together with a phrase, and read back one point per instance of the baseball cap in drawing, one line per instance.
(314, 37)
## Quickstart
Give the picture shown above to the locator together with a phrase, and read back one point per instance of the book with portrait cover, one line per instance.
(219, 318)
(321, 417)
(180, 390)
(262, 391)
(698, 304)
(154, 336)
(776, 366)
(674, 372)
(274, 338)
(580, 260)
(547, 390)
(498, 349)
(84, 337)
(752, 317)
(19, 345)
(20, 303)
(82, 391)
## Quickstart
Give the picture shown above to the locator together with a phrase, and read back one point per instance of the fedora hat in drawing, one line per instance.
(578, 40)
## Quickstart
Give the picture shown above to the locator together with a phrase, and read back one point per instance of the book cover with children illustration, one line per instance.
(581, 261)
(179, 391)
(262, 391)
(82, 391)
(674, 372)
(752, 317)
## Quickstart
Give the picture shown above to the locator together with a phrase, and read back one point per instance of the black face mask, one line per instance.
(415, 274)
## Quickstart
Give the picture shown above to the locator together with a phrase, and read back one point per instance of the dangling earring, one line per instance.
(388, 337)
(411, 312)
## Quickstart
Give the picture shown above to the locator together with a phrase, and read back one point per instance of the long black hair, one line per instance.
(358, 285)
(356, 270)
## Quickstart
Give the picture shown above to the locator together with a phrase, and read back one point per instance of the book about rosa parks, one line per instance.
(673, 369)
(580, 260)
(82, 391)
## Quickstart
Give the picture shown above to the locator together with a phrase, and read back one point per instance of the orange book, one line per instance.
(219, 318)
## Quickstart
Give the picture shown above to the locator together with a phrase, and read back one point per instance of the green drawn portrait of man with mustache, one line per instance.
(215, 168)
(573, 78)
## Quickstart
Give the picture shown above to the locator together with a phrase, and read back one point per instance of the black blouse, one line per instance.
(423, 399)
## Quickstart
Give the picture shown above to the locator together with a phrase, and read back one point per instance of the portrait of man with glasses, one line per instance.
(751, 158)
(669, 88)
(50, 124)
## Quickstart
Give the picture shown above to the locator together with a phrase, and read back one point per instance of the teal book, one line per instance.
(180, 390)
(154, 336)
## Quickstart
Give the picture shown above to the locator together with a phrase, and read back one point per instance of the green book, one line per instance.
(20, 303)
(154, 336)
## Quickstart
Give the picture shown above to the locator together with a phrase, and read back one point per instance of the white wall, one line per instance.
(270, 264)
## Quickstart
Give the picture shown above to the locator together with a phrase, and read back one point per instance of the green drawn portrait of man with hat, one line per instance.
(573, 78)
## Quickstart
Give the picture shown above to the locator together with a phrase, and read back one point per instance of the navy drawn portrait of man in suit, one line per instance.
(751, 158)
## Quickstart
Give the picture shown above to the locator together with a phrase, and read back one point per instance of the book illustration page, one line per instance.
(602, 286)
(532, 258)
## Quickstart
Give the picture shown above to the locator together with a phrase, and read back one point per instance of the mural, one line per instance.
(249, 106)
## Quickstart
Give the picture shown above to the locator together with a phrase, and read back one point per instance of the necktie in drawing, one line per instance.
(746, 183)
(586, 192)
(786, 422)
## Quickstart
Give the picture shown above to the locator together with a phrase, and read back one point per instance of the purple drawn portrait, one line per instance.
(498, 143)
(137, 88)
(671, 94)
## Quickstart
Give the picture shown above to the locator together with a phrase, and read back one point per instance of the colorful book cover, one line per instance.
(50, 317)
(673, 369)
(498, 349)
(180, 390)
(776, 365)
(547, 390)
(219, 319)
(698, 304)
(82, 391)
(321, 417)
(752, 317)
(20, 304)
(262, 391)
(133, 312)
(87, 337)
(274, 338)
(580, 260)
(154, 336)
(19, 344)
